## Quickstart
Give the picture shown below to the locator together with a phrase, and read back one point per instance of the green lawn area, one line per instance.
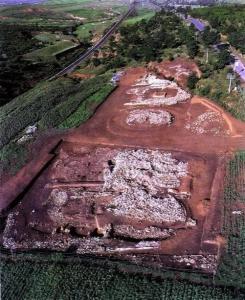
(48, 53)
(90, 14)
(145, 14)
(83, 31)
(47, 37)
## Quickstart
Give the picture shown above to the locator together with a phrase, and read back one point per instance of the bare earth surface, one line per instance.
(142, 180)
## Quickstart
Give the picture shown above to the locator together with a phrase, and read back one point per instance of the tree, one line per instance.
(209, 37)
(192, 81)
(237, 39)
(192, 47)
(223, 59)
(96, 61)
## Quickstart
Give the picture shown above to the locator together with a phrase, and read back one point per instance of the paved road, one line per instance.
(91, 50)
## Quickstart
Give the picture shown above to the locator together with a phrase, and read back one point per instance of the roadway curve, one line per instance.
(91, 50)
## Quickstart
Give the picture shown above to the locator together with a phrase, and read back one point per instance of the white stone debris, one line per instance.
(150, 169)
(138, 175)
(8, 239)
(150, 232)
(25, 138)
(180, 71)
(237, 212)
(209, 122)
(149, 117)
(148, 244)
(58, 198)
(191, 222)
(151, 82)
(28, 134)
(31, 129)
(203, 262)
(138, 204)
(143, 245)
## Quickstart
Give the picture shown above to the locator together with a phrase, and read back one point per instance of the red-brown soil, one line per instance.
(78, 165)
(81, 76)
(179, 69)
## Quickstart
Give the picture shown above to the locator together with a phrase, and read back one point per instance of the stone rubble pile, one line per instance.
(151, 169)
(150, 232)
(150, 117)
(204, 262)
(138, 204)
(209, 122)
(138, 176)
(151, 82)
(180, 71)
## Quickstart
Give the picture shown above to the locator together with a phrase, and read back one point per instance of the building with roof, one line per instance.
(199, 25)
(239, 68)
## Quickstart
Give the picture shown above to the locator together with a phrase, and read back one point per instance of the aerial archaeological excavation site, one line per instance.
(140, 181)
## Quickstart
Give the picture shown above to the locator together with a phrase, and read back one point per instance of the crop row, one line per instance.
(49, 102)
(29, 107)
(87, 107)
(78, 281)
(232, 267)
(63, 110)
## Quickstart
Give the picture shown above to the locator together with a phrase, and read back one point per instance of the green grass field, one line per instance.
(87, 30)
(90, 14)
(49, 52)
(142, 15)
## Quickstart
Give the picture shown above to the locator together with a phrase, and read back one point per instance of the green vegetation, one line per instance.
(13, 157)
(192, 81)
(232, 268)
(58, 114)
(36, 17)
(148, 40)
(90, 14)
(62, 103)
(86, 109)
(214, 85)
(46, 37)
(69, 2)
(86, 31)
(29, 107)
(48, 53)
(229, 20)
(86, 280)
(141, 15)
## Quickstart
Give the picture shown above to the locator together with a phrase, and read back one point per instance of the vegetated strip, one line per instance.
(62, 111)
(87, 107)
(49, 102)
(232, 268)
